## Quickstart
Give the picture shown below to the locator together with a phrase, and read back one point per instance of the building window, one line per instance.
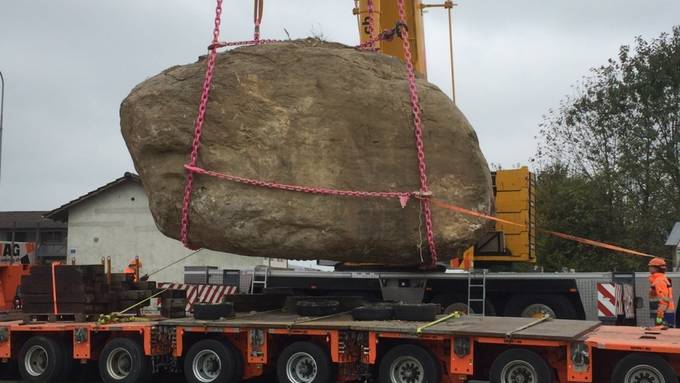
(52, 236)
(24, 236)
(5, 235)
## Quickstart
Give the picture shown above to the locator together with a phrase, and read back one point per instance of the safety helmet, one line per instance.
(657, 262)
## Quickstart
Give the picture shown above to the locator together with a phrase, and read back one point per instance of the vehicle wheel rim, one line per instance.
(460, 307)
(519, 371)
(538, 311)
(301, 368)
(206, 366)
(36, 360)
(407, 369)
(644, 373)
(119, 363)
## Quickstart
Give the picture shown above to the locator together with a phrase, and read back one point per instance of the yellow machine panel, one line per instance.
(386, 15)
(513, 189)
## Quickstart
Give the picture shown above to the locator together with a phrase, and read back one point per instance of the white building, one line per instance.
(674, 241)
(115, 221)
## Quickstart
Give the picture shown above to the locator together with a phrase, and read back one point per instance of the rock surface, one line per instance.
(307, 113)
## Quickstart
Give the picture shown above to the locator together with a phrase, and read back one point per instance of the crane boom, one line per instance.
(512, 187)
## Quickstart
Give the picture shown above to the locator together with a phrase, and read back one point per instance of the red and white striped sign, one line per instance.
(606, 300)
(201, 293)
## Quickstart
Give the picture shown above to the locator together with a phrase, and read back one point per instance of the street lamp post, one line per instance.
(2, 107)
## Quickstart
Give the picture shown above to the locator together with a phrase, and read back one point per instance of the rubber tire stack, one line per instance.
(213, 311)
(374, 312)
(421, 312)
(317, 308)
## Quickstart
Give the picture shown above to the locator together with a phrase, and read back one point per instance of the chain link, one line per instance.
(371, 27)
(223, 44)
(198, 126)
(418, 131)
(299, 188)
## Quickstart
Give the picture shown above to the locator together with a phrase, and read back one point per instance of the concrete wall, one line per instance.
(118, 224)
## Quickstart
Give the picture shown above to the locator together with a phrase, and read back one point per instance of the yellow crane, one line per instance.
(513, 188)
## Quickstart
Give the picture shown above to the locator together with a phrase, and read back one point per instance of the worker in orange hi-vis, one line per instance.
(661, 291)
(132, 270)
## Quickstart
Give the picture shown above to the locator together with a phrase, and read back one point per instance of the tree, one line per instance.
(617, 141)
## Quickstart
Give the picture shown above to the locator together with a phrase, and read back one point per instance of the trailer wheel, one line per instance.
(538, 311)
(409, 363)
(9, 370)
(555, 306)
(458, 306)
(520, 365)
(304, 362)
(639, 367)
(122, 360)
(211, 360)
(41, 359)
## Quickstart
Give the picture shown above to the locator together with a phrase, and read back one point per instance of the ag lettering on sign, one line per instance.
(17, 251)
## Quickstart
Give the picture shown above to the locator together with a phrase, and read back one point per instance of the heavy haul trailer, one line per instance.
(561, 295)
(289, 348)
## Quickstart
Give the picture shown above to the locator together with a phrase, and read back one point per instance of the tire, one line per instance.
(373, 312)
(41, 359)
(122, 360)
(201, 359)
(404, 363)
(517, 362)
(422, 312)
(558, 305)
(255, 302)
(317, 308)
(458, 306)
(69, 369)
(304, 362)
(210, 311)
(636, 366)
(447, 300)
(346, 302)
(9, 370)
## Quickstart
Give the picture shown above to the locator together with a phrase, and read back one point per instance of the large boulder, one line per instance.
(307, 113)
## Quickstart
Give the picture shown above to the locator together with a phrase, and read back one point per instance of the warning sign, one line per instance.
(12, 252)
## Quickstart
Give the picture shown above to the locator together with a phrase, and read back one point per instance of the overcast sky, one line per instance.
(69, 63)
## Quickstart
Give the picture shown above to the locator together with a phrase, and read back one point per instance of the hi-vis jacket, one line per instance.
(662, 292)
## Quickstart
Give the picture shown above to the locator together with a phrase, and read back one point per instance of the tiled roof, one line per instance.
(27, 220)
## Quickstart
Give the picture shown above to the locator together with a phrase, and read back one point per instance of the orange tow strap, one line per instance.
(569, 237)
(54, 287)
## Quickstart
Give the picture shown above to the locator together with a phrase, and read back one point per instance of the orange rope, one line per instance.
(569, 237)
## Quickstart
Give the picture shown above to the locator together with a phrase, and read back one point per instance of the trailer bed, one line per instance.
(565, 330)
